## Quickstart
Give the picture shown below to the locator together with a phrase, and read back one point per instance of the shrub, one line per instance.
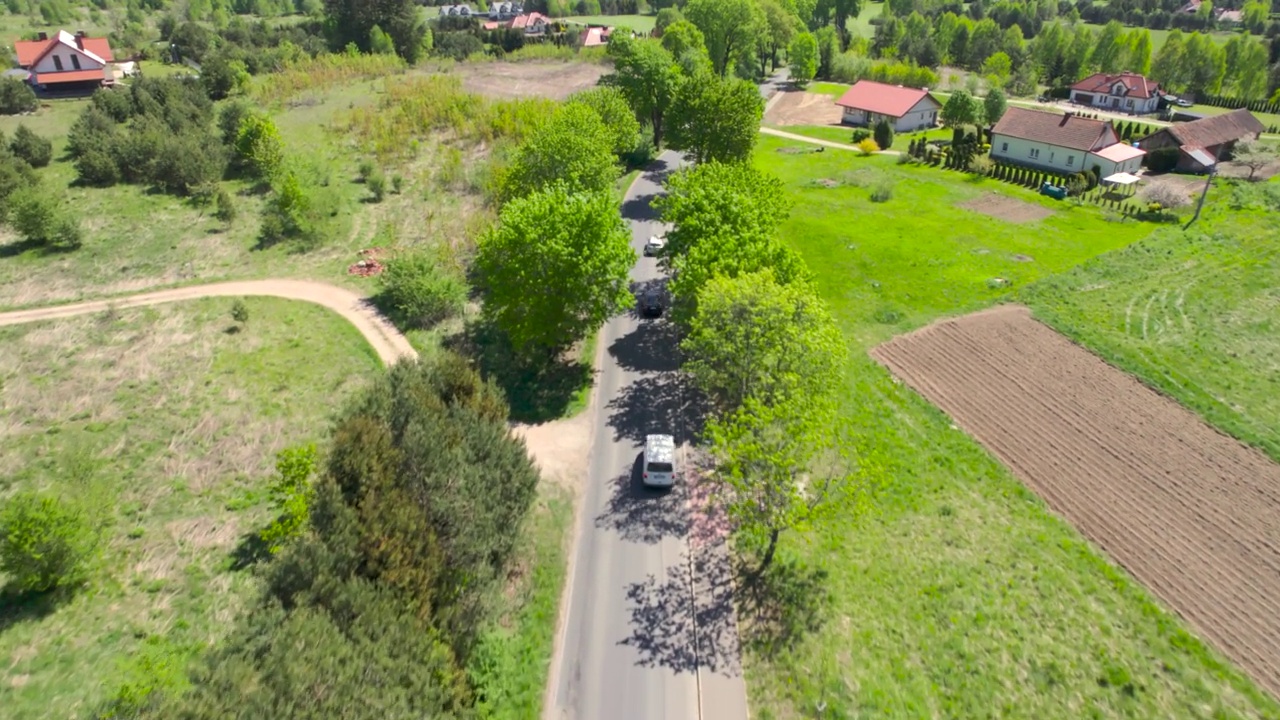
(16, 97)
(377, 183)
(35, 215)
(859, 135)
(37, 151)
(868, 146)
(224, 206)
(1166, 194)
(883, 191)
(980, 164)
(1162, 159)
(884, 134)
(420, 292)
(45, 543)
(258, 145)
(290, 495)
(239, 311)
(186, 161)
(366, 169)
(230, 119)
(397, 183)
(97, 167)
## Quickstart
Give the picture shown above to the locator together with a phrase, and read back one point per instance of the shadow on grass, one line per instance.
(643, 514)
(250, 551)
(43, 249)
(17, 607)
(782, 605)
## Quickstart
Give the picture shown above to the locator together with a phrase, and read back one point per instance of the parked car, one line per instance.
(654, 246)
(1183, 102)
(651, 303)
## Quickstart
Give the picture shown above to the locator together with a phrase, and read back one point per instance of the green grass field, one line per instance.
(844, 134)
(960, 595)
(177, 420)
(1195, 314)
(639, 23)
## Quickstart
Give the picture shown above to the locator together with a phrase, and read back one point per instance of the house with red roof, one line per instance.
(1062, 142)
(907, 109)
(1125, 92)
(66, 61)
(595, 36)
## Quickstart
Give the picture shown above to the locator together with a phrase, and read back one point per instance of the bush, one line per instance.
(397, 184)
(45, 543)
(377, 183)
(239, 311)
(367, 167)
(868, 146)
(1166, 194)
(37, 151)
(35, 215)
(97, 167)
(1162, 160)
(883, 191)
(420, 292)
(224, 206)
(980, 164)
(16, 97)
(884, 134)
(859, 135)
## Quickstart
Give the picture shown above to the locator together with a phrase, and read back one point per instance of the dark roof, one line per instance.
(892, 100)
(1064, 130)
(1210, 131)
(1137, 85)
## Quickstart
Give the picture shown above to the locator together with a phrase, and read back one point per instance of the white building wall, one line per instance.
(1038, 154)
(853, 116)
(64, 53)
(1115, 103)
(1107, 167)
(922, 115)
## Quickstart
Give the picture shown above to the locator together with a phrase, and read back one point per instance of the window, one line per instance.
(1035, 152)
(1128, 103)
(57, 63)
(1004, 147)
(1050, 157)
(75, 61)
(1071, 159)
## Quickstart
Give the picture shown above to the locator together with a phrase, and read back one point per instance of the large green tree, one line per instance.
(1140, 51)
(611, 105)
(961, 109)
(648, 77)
(994, 105)
(716, 119)
(683, 37)
(803, 54)
(780, 27)
(352, 21)
(1111, 49)
(729, 28)
(1247, 59)
(717, 200)
(574, 147)
(555, 268)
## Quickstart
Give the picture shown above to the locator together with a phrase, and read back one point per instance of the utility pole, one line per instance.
(1207, 182)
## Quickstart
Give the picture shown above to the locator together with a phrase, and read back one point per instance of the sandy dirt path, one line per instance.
(389, 343)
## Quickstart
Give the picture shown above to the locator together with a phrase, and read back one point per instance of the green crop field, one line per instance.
(639, 23)
(959, 594)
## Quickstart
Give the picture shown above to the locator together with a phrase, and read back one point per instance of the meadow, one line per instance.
(639, 23)
(958, 594)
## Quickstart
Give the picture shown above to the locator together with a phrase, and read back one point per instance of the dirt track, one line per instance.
(555, 80)
(1191, 513)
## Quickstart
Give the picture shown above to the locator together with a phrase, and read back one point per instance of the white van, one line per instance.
(659, 469)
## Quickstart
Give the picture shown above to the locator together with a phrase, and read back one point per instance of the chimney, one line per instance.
(80, 39)
(1065, 117)
(42, 36)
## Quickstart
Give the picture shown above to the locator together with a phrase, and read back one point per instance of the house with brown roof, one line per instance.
(907, 109)
(1061, 142)
(1202, 143)
(65, 61)
(1124, 92)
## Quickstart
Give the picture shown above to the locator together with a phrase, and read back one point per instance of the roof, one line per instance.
(595, 37)
(29, 52)
(1060, 129)
(1119, 152)
(1200, 155)
(1137, 85)
(661, 448)
(1218, 129)
(881, 99)
(1121, 178)
(523, 21)
(53, 78)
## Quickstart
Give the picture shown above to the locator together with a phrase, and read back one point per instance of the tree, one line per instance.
(611, 106)
(754, 338)
(716, 119)
(573, 147)
(222, 76)
(994, 105)
(420, 291)
(380, 43)
(961, 109)
(1169, 65)
(1247, 59)
(352, 21)
(828, 49)
(240, 311)
(37, 216)
(45, 542)
(840, 11)
(16, 97)
(779, 27)
(803, 54)
(258, 146)
(555, 268)
(998, 67)
(1140, 51)
(648, 77)
(666, 17)
(290, 493)
(884, 134)
(1111, 48)
(728, 26)
(683, 37)
(1254, 155)
(28, 146)
(713, 201)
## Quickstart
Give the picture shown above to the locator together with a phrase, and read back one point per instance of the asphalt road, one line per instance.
(634, 646)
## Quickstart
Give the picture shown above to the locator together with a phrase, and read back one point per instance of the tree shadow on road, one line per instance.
(674, 627)
(642, 514)
(663, 403)
(652, 347)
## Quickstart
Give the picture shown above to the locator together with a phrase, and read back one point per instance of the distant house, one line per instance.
(1064, 143)
(533, 24)
(66, 62)
(595, 36)
(505, 10)
(907, 109)
(1124, 92)
(1201, 143)
(457, 10)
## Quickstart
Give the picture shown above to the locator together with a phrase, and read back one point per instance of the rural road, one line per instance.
(389, 343)
(649, 631)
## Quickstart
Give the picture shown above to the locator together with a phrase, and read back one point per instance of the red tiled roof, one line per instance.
(1138, 85)
(892, 100)
(595, 37)
(53, 78)
(1060, 129)
(30, 51)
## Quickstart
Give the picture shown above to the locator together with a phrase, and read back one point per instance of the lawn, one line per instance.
(959, 594)
(174, 419)
(1195, 314)
(639, 23)
(844, 134)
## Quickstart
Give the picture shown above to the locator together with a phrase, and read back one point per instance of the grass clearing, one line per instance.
(960, 595)
(1194, 314)
(639, 23)
(180, 417)
(844, 134)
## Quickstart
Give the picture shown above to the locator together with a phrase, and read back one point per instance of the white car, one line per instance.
(654, 246)
(659, 468)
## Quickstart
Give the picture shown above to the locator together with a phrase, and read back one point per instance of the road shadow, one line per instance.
(663, 403)
(640, 208)
(642, 514)
(652, 347)
(685, 620)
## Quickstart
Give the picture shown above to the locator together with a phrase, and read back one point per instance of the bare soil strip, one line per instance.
(1006, 208)
(1190, 512)
(803, 108)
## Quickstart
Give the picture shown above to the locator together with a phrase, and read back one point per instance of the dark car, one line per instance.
(651, 303)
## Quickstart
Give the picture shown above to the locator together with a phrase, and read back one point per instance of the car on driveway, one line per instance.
(654, 246)
(651, 303)
(1183, 102)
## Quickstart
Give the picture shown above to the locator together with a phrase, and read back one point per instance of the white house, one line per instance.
(1116, 158)
(1126, 92)
(66, 61)
(1064, 143)
(907, 109)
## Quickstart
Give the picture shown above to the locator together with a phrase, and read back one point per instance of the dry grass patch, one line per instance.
(1003, 207)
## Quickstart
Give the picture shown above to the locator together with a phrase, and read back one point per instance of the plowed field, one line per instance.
(1191, 513)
